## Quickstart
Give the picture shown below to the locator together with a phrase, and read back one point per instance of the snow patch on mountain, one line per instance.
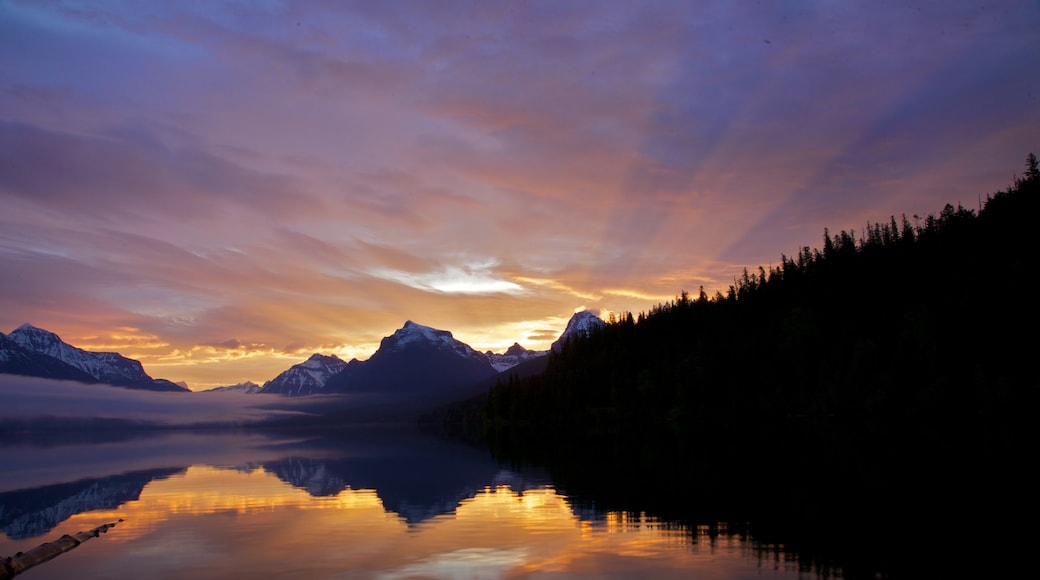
(305, 378)
(412, 334)
(579, 326)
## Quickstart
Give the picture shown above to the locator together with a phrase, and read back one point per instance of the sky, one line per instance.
(220, 189)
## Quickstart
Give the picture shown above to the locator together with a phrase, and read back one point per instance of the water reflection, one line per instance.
(35, 512)
(386, 505)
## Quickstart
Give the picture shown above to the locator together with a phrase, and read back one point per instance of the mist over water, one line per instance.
(26, 399)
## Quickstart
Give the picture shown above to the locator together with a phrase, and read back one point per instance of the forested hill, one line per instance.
(915, 318)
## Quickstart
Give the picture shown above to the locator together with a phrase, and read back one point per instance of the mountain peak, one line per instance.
(322, 358)
(38, 339)
(414, 327)
(413, 336)
(33, 333)
(516, 349)
(581, 324)
(414, 333)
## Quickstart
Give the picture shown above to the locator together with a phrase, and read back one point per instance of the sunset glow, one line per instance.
(219, 190)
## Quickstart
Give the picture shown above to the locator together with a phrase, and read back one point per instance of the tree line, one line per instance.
(911, 318)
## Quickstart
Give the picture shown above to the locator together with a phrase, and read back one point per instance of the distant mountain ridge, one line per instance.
(416, 361)
(513, 356)
(32, 351)
(247, 387)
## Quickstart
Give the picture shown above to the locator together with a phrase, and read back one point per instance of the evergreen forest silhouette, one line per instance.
(906, 320)
(861, 404)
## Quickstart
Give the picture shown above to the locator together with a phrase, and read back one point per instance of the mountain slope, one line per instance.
(16, 360)
(306, 378)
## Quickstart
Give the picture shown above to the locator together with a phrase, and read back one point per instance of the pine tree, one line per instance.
(1032, 171)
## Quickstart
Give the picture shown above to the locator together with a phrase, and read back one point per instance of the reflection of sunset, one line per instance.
(201, 517)
(204, 490)
(540, 509)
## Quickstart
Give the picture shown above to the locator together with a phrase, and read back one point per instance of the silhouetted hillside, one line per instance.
(907, 319)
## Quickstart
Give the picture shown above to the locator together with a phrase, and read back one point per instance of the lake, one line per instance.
(373, 503)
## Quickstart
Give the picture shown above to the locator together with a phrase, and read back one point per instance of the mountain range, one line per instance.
(247, 387)
(415, 362)
(32, 351)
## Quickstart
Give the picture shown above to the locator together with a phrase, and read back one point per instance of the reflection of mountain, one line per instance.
(34, 512)
(418, 478)
(414, 475)
(312, 475)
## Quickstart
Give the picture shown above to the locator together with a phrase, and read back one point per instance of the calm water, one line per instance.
(371, 504)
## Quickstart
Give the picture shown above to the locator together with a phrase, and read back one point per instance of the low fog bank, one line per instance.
(30, 401)
(48, 405)
(28, 463)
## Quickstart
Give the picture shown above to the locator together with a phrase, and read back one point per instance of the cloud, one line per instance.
(474, 277)
(130, 175)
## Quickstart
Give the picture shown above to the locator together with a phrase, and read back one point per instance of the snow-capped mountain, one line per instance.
(415, 359)
(16, 360)
(580, 325)
(306, 378)
(103, 367)
(418, 360)
(248, 388)
(513, 356)
(413, 335)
